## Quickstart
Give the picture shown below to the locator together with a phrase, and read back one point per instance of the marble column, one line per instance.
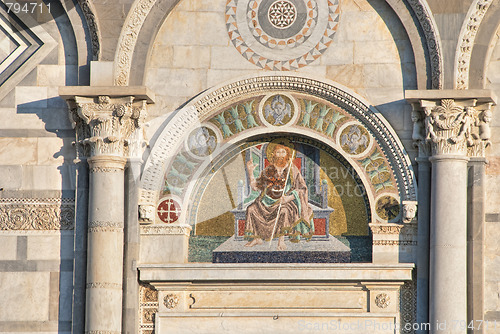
(104, 125)
(454, 127)
(475, 240)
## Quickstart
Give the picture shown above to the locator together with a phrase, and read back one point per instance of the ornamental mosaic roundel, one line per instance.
(282, 35)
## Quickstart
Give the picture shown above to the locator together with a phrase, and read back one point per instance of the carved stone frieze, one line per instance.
(394, 243)
(451, 127)
(99, 226)
(386, 228)
(105, 170)
(37, 214)
(467, 38)
(100, 285)
(164, 229)
(104, 124)
(148, 307)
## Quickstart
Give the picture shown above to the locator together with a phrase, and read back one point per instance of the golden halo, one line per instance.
(281, 142)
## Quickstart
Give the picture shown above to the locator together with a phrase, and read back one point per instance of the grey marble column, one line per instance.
(456, 126)
(104, 125)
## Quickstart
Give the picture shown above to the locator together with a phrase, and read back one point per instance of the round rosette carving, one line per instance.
(171, 301)
(382, 300)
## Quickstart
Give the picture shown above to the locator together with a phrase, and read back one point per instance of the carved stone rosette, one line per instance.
(451, 127)
(104, 124)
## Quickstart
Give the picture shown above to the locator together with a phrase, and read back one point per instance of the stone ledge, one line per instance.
(276, 272)
(139, 92)
(481, 95)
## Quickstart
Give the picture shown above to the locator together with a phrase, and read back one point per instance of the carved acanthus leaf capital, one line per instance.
(451, 126)
(104, 124)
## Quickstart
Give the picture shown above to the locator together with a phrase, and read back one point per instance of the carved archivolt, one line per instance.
(426, 20)
(224, 97)
(468, 33)
(128, 39)
(95, 36)
(37, 214)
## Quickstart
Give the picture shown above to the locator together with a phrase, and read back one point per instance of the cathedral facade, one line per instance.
(249, 166)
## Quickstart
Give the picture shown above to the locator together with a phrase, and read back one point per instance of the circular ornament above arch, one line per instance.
(282, 35)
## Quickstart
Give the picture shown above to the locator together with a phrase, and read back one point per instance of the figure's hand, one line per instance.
(251, 167)
(286, 199)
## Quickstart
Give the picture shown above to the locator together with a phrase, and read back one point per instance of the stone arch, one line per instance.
(475, 44)
(201, 109)
(88, 11)
(142, 24)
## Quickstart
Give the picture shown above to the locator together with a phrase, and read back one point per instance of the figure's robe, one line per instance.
(295, 217)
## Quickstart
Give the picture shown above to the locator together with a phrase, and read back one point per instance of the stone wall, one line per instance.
(492, 224)
(370, 54)
(37, 177)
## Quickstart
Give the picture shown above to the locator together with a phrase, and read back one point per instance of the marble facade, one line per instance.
(126, 135)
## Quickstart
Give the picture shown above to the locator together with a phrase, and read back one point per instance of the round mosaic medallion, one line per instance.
(387, 207)
(282, 34)
(354, 139)
(202, 141)
(169, 210)
(278, 110)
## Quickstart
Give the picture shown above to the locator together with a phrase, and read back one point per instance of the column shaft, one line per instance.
(448, 245)
(424, 195)
(105, 245)
(475, 244)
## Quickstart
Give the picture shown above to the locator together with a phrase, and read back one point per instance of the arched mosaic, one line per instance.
(321, 110)
(281, 34)
(346, 169)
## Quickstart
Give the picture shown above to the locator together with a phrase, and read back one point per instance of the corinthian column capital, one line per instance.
(104, 118)
(448, 122)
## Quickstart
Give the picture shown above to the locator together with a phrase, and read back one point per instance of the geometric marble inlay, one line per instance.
(23, 42)
(281, 35)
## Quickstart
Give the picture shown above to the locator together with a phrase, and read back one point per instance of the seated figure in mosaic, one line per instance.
(283, 192)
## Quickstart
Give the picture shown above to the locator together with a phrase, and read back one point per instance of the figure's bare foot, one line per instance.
(256, 241)
(281, 243)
